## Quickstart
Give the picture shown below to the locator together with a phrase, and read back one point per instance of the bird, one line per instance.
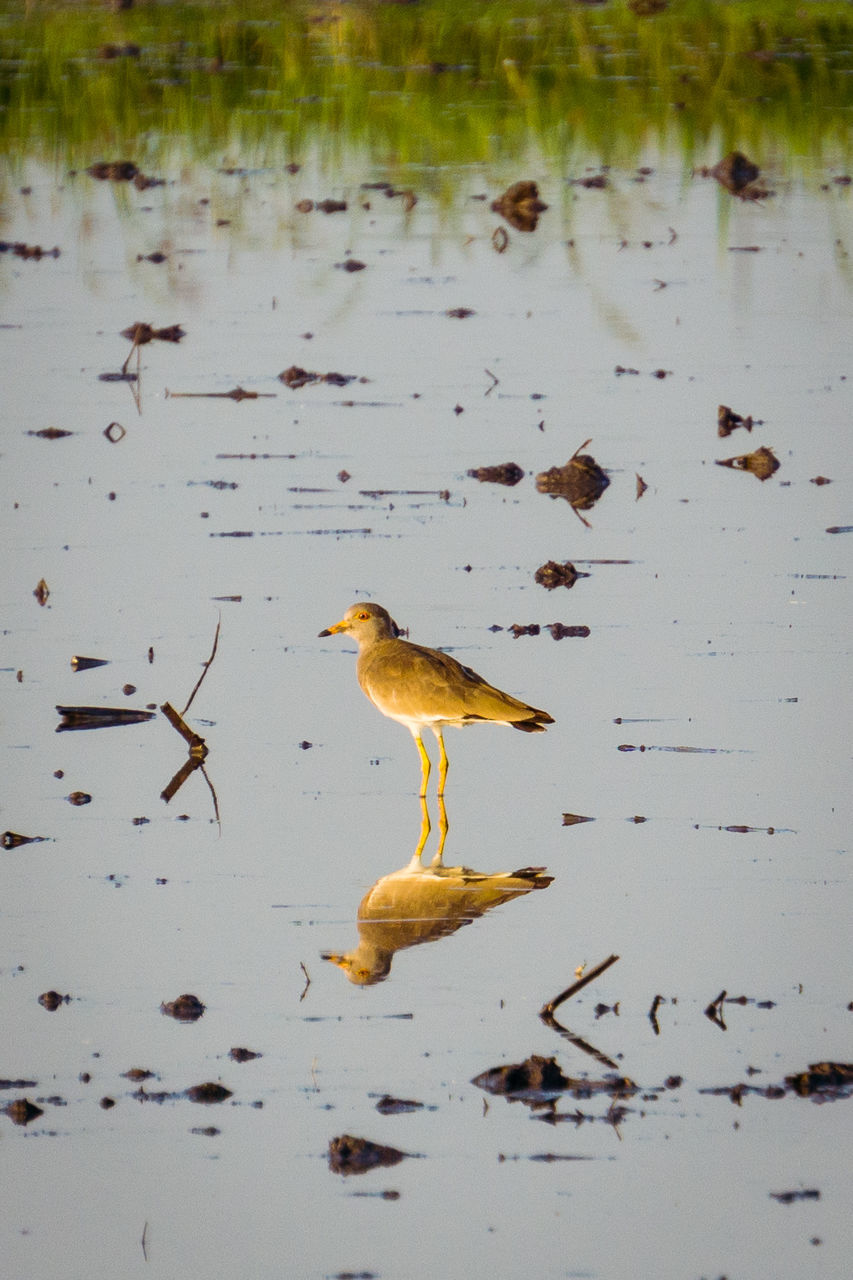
(425, 688)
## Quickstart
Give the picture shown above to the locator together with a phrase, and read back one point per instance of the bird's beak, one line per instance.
(330, 631)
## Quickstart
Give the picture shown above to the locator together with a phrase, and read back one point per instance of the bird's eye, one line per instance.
(362, 617)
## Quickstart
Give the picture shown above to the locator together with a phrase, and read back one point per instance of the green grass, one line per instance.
(433, 83)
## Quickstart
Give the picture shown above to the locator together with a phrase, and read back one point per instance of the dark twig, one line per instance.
(653, 1014)
(548, 1009)
(238, 393)
(206, 667)
(187, 768)
(212, 791)
(197, 745)
(715, 1011)
(577, 1041)
(307, 982)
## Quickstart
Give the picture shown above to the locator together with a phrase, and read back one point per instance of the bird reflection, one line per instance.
(422, 903)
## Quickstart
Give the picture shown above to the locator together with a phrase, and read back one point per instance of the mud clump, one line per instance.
(828, 1079)
(22, 1111)
(762, 463)
(187, 1008)
(325, 206)
(534, 1075)
(508, 473)
(33, 252)
(296, 378)
(520, 206)
(538, 1080)
(735, 172)
(581, 481)
(388, 1106)
(739, 175)
(553, 575)
(14, 840)
(359, 1155)
(560, 631)
(141, 333)
(113, 170)
(208, 1092)
(728, 421)
(243, 1055)
(52, 1000)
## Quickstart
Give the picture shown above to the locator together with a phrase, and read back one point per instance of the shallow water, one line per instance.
(708, 700)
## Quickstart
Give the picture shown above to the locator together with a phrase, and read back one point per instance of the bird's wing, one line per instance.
(408, 680)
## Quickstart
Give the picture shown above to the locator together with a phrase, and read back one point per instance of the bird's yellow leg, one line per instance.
(425, 830)
(436, 860)
(442, 761)
(425, 765)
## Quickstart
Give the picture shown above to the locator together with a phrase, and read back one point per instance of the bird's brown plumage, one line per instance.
(422, 687)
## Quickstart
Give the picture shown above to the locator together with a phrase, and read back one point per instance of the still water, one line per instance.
(701, 724)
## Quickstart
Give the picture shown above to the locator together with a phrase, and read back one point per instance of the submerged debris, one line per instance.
(388, 1106)
(559, 631)
(540, 1079)
(42, 592)
(113, 170)
(520, 206)
(140, 333)
(32, 252)
(325, 206)
(508, 473)
(762, 463)
(243, 1055)
(236, 393)
(534, 1075)
(295, 378)
(358, 1155)
(581, 481)
(739, 175)
(51, 433)
(552, 574)
(788, 1197)
(593, 182)
(830, 1079)
(208, 1092)
(647, 8)
(187, 1008)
